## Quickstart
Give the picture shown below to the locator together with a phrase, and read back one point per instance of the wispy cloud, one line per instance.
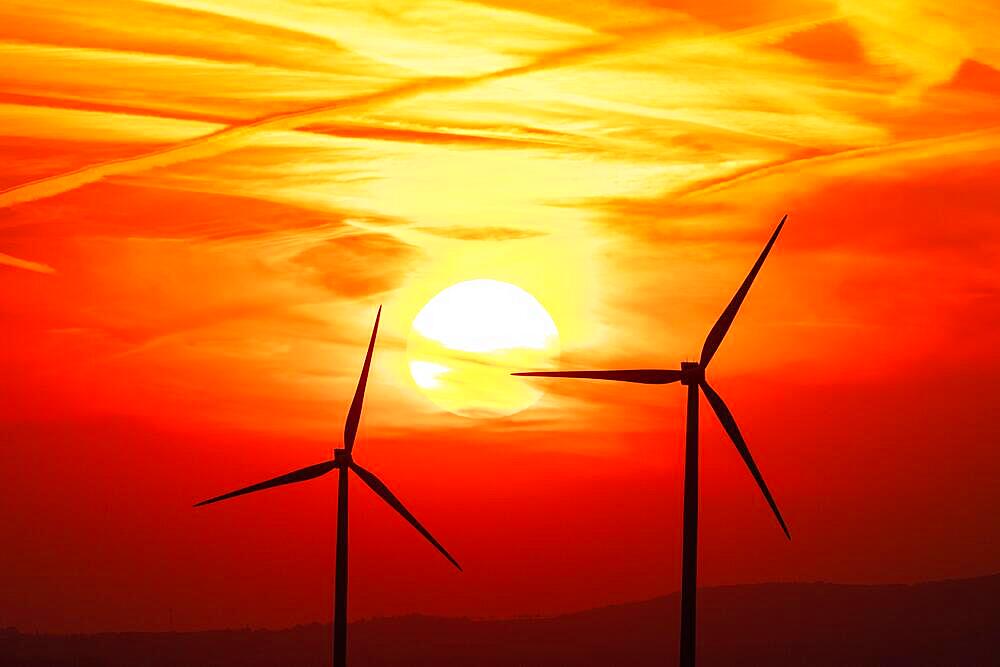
(265, 170)
(27, 265)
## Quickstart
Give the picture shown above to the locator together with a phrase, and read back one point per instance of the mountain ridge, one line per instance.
(946, 622)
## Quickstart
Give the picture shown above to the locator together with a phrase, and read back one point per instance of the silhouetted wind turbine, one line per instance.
(344, 462)
(692, 374)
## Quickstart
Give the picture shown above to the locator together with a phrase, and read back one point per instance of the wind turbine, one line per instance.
(344, 462)
(692, 374)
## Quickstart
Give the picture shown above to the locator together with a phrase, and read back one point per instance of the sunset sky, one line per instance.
(203, 203)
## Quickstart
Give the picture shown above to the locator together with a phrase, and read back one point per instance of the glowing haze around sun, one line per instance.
(465, 342)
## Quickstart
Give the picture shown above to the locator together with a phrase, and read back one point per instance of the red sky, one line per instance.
(205, 201)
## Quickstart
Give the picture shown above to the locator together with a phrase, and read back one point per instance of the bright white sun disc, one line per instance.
(466, 341)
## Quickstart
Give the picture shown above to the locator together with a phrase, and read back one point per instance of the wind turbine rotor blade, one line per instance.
(383, 492)
(354, 414)
(729, 423)
(641, 375)
(718, 332)
(300, 475)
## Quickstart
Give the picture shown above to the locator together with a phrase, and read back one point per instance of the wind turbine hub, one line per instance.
(342, 456)
(692, 373)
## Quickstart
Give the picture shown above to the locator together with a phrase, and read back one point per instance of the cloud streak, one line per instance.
(37, 267)
(227, 138)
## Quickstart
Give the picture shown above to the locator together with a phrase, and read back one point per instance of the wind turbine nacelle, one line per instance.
(341, 456)
(692, 373)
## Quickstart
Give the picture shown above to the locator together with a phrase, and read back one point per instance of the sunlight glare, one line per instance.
(467, 340)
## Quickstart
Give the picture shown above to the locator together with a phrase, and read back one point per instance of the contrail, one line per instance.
(204, 146)
(930, 146)
(220, 141)
(8, 260)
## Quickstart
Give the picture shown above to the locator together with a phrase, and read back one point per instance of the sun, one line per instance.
(465, 342)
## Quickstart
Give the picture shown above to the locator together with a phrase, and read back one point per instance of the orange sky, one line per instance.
(202, 202)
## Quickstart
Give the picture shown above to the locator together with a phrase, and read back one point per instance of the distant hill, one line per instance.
(941, 623)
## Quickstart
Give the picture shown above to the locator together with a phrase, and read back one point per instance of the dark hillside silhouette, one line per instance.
(941, 623)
